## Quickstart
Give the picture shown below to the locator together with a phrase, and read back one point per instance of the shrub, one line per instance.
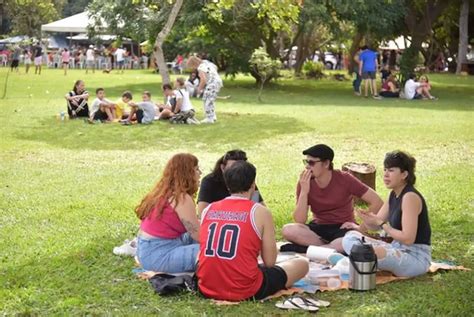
(264, 67)
(313, 69)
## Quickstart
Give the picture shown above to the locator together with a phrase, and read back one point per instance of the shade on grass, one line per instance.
(68, 189)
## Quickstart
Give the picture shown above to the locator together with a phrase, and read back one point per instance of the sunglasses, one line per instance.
(310, 162)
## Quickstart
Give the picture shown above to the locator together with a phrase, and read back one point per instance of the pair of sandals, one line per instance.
(302, 303)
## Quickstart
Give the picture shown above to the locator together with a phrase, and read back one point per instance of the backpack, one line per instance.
(167, 284)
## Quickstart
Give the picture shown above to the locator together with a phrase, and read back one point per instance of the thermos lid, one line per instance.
(363, 253)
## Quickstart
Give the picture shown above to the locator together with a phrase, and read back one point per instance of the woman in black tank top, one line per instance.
(404, 217)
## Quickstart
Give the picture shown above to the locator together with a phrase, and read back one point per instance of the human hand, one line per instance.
(369, 218)
(349, 225)
(305, 178)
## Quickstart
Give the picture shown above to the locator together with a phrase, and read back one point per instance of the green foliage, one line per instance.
(72, 7)
(313, 69)
(27, 16)
(264, 67)
(374, 18)
(68, 189)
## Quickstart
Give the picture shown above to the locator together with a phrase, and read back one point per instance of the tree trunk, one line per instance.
(354, 47)
(160, 38)
(301, 54)
(463, 36)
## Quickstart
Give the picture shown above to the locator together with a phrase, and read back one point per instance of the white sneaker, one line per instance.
(128, 248)
(192, 121)
(207, 120)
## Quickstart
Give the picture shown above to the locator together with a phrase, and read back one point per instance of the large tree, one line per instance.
(372, 20)
(419, 20)
(27, 16)
(138, 20)
(463, 35)
(72, 7)
(230, 30)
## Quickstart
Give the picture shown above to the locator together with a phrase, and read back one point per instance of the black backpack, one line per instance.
(167, 284)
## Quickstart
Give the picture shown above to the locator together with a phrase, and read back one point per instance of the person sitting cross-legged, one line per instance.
(233, 233)
(329, 194)
(103, 110)
(404, 217)
(169, 228)
(213, 187)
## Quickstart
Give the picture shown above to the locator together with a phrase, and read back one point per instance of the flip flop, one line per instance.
(298, 302)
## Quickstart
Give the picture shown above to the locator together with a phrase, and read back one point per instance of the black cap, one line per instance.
(321, 151)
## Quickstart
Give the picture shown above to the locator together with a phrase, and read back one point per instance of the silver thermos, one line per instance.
(363, 267)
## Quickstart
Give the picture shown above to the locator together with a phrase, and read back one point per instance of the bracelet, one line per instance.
(383, 223)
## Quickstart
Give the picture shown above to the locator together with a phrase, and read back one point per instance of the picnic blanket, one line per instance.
(302, 286)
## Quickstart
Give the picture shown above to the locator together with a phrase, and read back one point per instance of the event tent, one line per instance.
(77, 23)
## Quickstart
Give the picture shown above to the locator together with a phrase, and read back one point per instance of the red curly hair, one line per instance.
(178, 179)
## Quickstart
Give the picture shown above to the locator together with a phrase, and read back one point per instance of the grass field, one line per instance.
(68, 189)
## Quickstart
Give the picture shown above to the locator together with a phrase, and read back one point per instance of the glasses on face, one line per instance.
(310, 162)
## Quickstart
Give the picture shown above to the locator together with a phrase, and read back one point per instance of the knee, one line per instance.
(301, 267)
(349, 239)
(288, 231)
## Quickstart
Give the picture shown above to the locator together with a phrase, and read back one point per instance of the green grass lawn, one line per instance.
(68, 189)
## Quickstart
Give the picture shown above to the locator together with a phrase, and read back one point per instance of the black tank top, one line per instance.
(423, 232)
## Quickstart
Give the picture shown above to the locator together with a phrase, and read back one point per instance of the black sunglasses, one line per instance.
(310, 162)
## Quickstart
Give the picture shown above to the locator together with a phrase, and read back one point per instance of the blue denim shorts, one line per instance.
(401, 260)
(168, 255)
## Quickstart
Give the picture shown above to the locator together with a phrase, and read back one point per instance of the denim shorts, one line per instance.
(168, 255)
(401, 260)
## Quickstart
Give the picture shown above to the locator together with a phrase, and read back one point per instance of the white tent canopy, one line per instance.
(77, 23)
(397, 44)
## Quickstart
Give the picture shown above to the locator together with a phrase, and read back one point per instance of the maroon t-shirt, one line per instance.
(333, 204)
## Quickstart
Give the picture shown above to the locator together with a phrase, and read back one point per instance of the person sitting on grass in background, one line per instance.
(424, 80)
(77, 101)
(213, 187)
(169, 229)
(144, 111)
(234, 232)
(389, 88)
(192, 83)
(184, 111)
(103, 110)
(417, 90)
(329, 193)
(385, 73)
(168, 109)
(122, 109)
(404, 217)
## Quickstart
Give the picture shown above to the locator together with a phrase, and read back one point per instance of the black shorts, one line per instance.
(139, 114)
(328, 232)
(274, 280)
(14, 63)
(99, 115)
(368, 75)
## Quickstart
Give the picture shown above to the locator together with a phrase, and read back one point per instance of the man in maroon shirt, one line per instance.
(329, 194)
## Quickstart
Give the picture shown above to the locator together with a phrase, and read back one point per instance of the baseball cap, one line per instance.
(321, 151)
(91, 46)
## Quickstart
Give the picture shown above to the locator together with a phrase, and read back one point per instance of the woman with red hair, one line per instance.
(169, 231)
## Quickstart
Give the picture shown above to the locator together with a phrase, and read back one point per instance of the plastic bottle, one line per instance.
(62, 115)
(334, 283)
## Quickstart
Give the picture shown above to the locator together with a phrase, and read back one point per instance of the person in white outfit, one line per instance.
(209, 85)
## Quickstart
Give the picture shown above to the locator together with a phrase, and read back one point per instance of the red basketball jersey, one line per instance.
(230, 244)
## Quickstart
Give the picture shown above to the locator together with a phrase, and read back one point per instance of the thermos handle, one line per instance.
(374, 268)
